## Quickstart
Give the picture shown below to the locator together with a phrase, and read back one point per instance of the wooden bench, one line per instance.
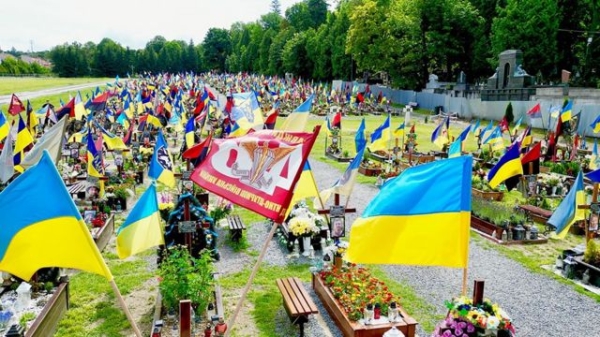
(236, 226)
(296, 301)
(78, 190)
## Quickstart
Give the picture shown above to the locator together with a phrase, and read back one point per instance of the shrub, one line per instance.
(185, 277)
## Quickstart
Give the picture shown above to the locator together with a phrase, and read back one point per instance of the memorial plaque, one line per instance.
(336, 211)
(187, 226)
(186, 175)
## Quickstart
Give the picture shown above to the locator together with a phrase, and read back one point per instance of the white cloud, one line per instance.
(47, 23)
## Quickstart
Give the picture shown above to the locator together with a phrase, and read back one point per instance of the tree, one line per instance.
(275, 7)
(216, 45)
(531, 26)
(508, 114)
(299, 16)
(318, 12)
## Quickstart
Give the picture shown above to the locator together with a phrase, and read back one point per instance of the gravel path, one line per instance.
(539, 306)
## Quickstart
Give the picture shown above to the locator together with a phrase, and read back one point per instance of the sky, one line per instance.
(44, 24)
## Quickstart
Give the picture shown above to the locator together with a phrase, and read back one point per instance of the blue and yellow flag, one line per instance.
(399, 132)
(595, 159)
(94, 158)
(345, 184)
(296, 121)
(413, 229)
(161, 165)
(495, 139)
(360, 141)
(455, 149)
(142, 228)
(4, 128)
(565, 114)
(439, 137)
(508, 166)
(475, 126)
(596, 124)
(380, 138)
(567, 211)
(55, 235)
(190, 128)
(24, 139)
(306, 187)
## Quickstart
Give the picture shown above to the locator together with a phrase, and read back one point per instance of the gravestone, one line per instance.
(461, 83)
(510, 81)
(433, 82)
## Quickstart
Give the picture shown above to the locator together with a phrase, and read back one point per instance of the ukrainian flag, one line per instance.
(54, 235)
(596, 124)
(190, 127)
(79, 107)
(24, 139)
(594, 158)
(565, 114)
(94, 158)
(306, 187)
(4, 128)
(495, 139)
(438, 137)
(237, 131)
(399, 132)
(508, 166)
(455, 148)
(567, 211)
(161, 165)
(142, 228)
(246, 111)
(154, 121)
(380, 138)
(422, 217)
(296, 121)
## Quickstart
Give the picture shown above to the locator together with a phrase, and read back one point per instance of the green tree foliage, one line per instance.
(217, 46)
(531, 26)
(15, 66)
(276, 7)
(408, 39)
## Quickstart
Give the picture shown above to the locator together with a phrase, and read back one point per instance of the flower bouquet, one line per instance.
(467, 320)
(304, 223)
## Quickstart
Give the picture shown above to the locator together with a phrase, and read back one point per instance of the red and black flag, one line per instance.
(531, 160)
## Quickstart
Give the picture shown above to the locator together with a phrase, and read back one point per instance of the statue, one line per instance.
(496, 73)
(462, 78)
(520, 71)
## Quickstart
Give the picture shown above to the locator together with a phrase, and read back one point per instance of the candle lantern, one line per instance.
(368, 313)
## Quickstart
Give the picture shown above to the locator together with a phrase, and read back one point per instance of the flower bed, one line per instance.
(103, 234)
(496, 196)
(345, 291)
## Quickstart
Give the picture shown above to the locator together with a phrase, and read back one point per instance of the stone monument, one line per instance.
(510, 81)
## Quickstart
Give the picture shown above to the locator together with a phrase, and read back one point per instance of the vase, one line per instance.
(306, 245)
(337, 261)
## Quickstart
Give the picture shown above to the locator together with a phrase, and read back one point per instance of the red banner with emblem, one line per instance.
(257, 171)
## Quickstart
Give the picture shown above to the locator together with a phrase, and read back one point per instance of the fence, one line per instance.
(472, 107)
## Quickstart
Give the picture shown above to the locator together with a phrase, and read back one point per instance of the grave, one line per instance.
(510, 82)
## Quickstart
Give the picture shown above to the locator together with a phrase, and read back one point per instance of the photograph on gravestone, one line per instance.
(338, 227)
(118, 158)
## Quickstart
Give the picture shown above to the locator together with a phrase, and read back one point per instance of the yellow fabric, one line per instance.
(412, 240)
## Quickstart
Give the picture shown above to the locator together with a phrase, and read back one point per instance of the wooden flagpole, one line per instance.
(464, 282)
(250, 279)
(136, 330)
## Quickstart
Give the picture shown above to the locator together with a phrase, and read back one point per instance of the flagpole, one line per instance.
(136, 330)
(464, 281)
(250, 279)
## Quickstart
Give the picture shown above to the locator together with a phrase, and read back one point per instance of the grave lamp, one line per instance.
(393, 332)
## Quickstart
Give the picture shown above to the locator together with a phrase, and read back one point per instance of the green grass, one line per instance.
(9, 85)
(94, 309)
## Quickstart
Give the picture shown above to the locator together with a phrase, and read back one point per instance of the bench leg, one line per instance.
(236, 235)
(301, 326)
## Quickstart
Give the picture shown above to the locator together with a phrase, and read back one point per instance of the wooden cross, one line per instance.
(585, 223)
(336, 202)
